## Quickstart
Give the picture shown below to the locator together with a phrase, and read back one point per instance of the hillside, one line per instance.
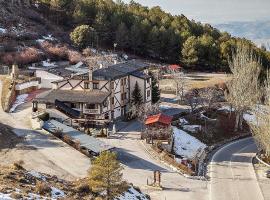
(35, 32)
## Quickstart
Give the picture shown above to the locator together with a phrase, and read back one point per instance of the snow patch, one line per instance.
(48, 64)
(37, 175)
(5, 196)
(3, 30)
(56, 193)
(226, 108)
(46, 38)
(186, 145)
(132, 194)
(183, 121)
(250, 118)
(19, 100)
(192, 128)
(164, 107)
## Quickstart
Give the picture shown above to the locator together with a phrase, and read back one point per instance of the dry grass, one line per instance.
(196, 80)
(6, 83)
(42, 188)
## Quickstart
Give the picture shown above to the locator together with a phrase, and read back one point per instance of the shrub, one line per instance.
(42, 188)
(18, 165)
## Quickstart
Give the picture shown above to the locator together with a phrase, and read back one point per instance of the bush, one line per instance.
(42, 188)
(18, 165)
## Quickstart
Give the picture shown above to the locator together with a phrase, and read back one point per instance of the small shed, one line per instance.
(158, 120)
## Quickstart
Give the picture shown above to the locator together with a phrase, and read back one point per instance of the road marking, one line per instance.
(212, 161)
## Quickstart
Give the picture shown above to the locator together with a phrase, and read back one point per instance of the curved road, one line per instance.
(231, 172)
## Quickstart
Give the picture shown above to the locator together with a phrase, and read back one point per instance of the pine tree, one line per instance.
(121, 36)
(105, 175)
(137, 98)
(155, 89)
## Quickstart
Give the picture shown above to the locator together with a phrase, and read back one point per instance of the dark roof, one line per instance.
(141, 75)
(119, 70)
(90, 97)
(86, 141)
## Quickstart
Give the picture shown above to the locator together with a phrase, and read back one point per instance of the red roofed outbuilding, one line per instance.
(159, 119)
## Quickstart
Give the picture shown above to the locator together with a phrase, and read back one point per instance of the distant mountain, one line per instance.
(257, 31)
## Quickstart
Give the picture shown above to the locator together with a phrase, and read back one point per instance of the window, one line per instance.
(148, 80)
(148, 93)
(90, 106)
(105, 103)
(112, 85)
(125, 81)
(122, 81)
(112, 100)
(124, 96)
(95, 85)
(86, 85)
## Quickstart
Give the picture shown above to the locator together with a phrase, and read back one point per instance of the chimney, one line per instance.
(91, 78)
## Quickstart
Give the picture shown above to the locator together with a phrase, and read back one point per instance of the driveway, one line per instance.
(231, 172)
(40, 151)
(139, 166)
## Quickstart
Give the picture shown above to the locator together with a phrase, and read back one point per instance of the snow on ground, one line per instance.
(186, 145)
(56, 193)
(19, 100)
(250, 118)
(132, 194)
(46, 38)
(164, 107)
(2, 30)
(37, 175)
(5, 196)
(183, 121)
(192, 128)
(226, 108)
(48, 64)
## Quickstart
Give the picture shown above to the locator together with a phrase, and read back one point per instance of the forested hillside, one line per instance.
(143, 31)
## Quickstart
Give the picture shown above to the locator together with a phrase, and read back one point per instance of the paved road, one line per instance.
(139, 166)
(42, 152)
(232, 176)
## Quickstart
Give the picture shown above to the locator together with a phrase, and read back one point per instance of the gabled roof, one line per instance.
(90, 97)
(119, 70)
(161, 118)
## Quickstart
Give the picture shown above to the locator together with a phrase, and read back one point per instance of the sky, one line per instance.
(215, 11)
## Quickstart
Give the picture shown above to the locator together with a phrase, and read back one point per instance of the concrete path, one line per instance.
(139, 166)
(40, 151)
(231, 172)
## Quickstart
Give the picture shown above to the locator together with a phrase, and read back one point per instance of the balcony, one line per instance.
(91, 111)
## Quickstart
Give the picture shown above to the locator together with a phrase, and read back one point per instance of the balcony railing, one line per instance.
(91, 111)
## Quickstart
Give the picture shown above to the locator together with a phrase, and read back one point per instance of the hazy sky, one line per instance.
(215, 11)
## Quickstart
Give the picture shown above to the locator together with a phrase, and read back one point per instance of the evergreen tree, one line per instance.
(81, 35)
(155, 89)
(135, 38)
(106, 176)
(121, 37)
(190, 51)
(137, 98)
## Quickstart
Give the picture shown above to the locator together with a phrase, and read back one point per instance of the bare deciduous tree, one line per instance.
(193, 100)
(261, 132)
(243, 88)
(181, 85)
(208, 96)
